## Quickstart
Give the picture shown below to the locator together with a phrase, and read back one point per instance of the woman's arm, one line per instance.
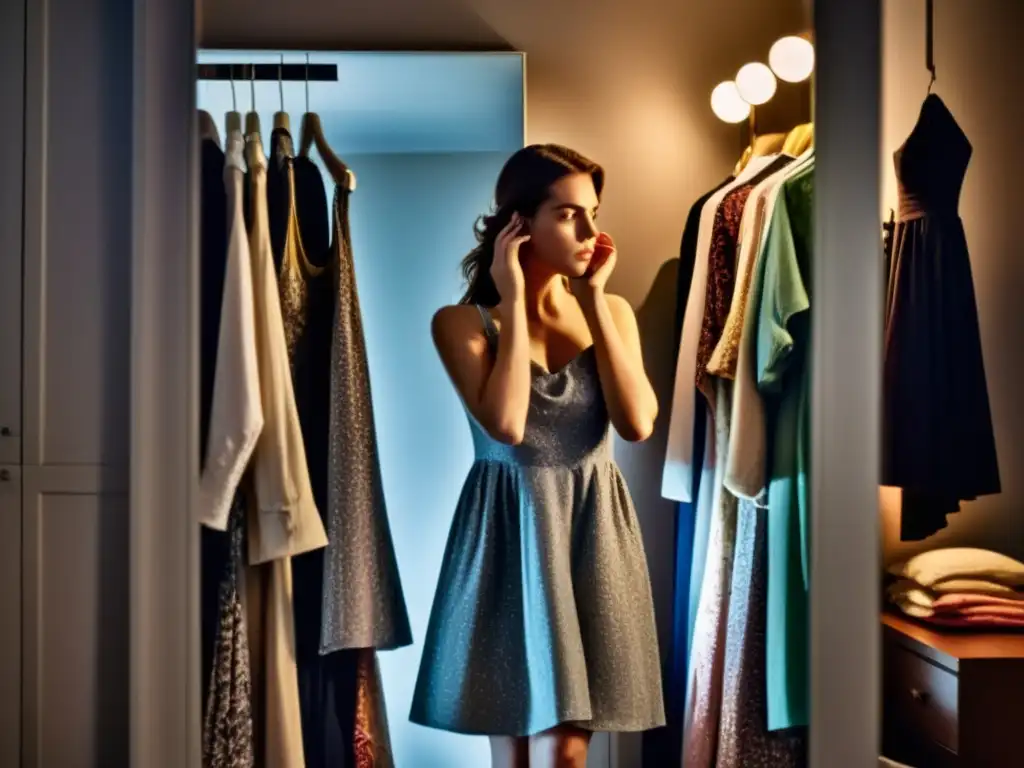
(496, 391)
(629, 396)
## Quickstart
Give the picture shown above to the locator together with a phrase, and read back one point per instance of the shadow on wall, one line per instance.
(976, 54)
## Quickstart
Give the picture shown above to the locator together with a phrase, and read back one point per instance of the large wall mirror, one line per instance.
(425, 135)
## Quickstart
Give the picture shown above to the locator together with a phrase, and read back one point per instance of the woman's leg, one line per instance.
(562, 747)
(510, 752)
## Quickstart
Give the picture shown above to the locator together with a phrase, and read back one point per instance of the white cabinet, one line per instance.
(65, 304)
(12, 96)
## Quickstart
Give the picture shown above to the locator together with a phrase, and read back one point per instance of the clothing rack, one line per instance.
(269, 71)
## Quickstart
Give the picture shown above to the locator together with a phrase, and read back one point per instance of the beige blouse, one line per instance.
(287, 522)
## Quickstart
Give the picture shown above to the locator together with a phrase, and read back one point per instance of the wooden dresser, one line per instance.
(951, 698)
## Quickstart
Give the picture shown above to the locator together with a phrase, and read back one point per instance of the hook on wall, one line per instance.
(929, 40)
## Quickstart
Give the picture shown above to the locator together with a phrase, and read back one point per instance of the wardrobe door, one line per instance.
(12, 96)
(10, 615)
(76, 324)
(12, 147)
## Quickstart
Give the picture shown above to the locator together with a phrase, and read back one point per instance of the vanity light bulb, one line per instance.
(727, 104)
(756, 83)
(792, 59)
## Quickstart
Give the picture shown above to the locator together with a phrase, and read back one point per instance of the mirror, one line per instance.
(425, 135)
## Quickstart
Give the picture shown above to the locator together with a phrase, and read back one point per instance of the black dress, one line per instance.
(938, 444)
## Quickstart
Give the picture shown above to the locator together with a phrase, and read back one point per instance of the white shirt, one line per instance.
(236, 414)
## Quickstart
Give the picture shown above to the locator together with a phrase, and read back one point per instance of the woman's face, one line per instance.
(562, 232)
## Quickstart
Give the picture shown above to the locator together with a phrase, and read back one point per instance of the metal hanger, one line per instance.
(281, 120)
(312, 133)
(929, 40)
(233, 119)
(252, 119)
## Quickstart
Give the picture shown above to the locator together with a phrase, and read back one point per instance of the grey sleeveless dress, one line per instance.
(543, 612)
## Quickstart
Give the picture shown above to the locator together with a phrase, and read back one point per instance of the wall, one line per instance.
(626, 83)
(977, 58)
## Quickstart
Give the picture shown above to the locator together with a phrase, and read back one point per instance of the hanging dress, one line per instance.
(704, 701)
(363, 608)
(937, 440)
(228, 720)
(543, 611)
(784, 381)
(348, 597)
(744, 740)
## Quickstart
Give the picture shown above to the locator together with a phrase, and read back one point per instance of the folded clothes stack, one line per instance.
(960, 587)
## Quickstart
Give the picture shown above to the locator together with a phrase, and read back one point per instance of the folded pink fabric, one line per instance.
(974, 621)
(962, 601)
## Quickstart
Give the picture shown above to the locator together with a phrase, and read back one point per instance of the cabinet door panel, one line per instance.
(12, 147)
(10, 610)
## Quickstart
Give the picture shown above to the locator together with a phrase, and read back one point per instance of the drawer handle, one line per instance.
(5, 431)
(5, 475)
(921, 697)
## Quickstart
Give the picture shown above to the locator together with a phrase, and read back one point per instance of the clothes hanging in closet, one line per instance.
(783, 375)
(364, 605)
(283, 519)
(703, 707)
(327, 685)
(745, 736)
(938, 443)
(727, 697)
(341, 703)
(213, 545)
(228, 739)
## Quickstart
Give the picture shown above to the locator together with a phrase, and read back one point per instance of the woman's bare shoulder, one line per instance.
(456, 324)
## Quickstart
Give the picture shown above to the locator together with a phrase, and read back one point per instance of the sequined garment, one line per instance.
(228, 724)
(744, 740)
(721, 281)
(363, 602)
(372, 742)
(704, 697)
(543, 612)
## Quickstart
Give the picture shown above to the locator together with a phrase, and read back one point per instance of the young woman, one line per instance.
(542, 629)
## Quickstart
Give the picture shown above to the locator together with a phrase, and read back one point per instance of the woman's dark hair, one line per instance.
(523, 185)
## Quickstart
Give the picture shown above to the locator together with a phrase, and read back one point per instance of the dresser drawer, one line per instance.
(920, 698)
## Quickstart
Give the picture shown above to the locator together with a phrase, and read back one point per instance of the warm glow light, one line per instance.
(756, 83)
(727, 103)
(792, 59)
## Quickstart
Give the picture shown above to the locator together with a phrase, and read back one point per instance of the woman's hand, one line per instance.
(602, 264)
(506, 271)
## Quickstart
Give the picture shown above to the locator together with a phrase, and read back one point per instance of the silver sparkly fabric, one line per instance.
(744, 740)
(543, 612)
(363, 603)
(228, 725)
(704, 697)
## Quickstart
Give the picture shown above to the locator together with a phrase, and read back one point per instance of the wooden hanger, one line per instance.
(313, 133)
(761, 146)
(799, 139)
